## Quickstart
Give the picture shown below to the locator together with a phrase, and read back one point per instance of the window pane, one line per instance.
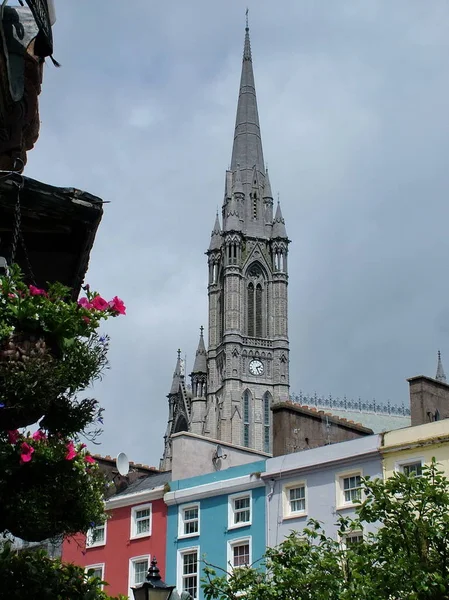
(140, 571)
(298, 499)
(242, 512)
(240, 555)
(143, 526)
(191, 513)
(191, 520)
(141, 514)
(413, 469)
(95, 535)
(190, 573)
(351, 487)
(354, 538)
(96, 572)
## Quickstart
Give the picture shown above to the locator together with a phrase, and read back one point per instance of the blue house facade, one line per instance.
(218, 518)
(321, 483)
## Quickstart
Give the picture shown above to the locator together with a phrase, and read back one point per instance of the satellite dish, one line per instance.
(218, 456)
(122, 463)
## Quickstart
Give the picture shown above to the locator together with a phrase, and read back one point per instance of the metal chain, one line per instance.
(18, 180)
(17, 223)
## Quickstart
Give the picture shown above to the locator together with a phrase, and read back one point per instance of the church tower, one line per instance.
(248, 350)
(245, 369)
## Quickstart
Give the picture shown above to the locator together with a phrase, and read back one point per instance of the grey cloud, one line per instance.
(353, 105)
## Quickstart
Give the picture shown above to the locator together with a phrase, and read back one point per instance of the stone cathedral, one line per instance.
(245, 369)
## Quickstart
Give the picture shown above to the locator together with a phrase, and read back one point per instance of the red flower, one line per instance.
(35, 291)
(71, 451)
(84, 302)
(88, 458)
(86, 320)
(39, 435)
(13, 436)
(99, 303)
(118, 305)
(27, 452)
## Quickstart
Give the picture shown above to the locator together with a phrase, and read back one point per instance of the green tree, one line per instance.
(406, 559)
(31, 574)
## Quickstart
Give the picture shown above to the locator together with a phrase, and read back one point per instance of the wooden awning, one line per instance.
(58, 226)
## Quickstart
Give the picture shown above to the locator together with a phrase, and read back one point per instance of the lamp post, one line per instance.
(153, 588)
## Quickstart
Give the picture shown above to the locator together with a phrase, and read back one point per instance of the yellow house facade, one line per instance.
(406, 450)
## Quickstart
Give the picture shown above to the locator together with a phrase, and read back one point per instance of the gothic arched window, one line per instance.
(259, 310)
(266, 422)
(246, 417)
(256, 302)
(250, 304)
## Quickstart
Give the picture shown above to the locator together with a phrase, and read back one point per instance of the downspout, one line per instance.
(272, 483)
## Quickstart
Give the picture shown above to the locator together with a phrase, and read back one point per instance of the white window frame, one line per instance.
(230, 552)
(231, 510)
(182, 521)
(96, 566)
(357, 532)
(132, 561)
(400, 464)
(287, 512)
(134, 510)
(95, 544)
(339, 484)
(180, 565)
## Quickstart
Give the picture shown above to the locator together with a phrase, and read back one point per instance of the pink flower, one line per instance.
(84, 303)
(27, 452)
(39, 435)
(13, 436)
(71, 451)
(35, 291)
(86, 320)
(118, 305)
(82, 446)
(99, 303)
(88, 458)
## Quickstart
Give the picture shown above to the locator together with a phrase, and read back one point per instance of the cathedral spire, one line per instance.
(247, 148)
(200, 365)
(440, 376)
(215, 238)
(279, 230)
(177, 375)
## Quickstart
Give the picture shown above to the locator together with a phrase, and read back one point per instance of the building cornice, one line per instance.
(401, 446)
(292, 470)
(135, 498)
(216, 488)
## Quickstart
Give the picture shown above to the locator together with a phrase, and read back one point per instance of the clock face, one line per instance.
(256, 367)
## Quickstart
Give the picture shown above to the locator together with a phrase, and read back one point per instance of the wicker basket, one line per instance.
(22, 347)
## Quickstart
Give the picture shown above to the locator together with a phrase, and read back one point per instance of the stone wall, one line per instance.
(429, 399)
(297, 427)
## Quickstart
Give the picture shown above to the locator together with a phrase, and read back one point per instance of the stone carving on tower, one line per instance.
(246, 367)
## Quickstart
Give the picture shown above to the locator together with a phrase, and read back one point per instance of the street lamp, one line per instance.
(153, 588)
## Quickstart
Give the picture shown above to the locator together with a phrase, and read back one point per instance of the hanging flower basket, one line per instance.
(48, 346)
(51, 487)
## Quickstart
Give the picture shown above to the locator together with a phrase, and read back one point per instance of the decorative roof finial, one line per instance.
(441, 375)
(201, 331)
(247, 24)
(179, 352)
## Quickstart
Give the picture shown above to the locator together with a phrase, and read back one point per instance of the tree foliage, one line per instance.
(32, 574)
(407, 558)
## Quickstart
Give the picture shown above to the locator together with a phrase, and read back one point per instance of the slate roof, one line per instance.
(146, 483)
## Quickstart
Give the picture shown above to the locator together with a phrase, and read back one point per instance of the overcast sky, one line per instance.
(353, 105)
